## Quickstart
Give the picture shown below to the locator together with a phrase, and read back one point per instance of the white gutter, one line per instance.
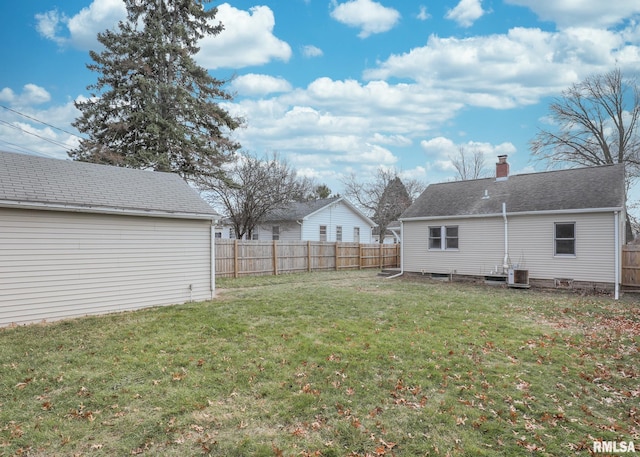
(505, 260)
(104, 210)
(401, 253)
(616, 225)
(522, 213)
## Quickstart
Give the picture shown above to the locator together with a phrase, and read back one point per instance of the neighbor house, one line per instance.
(79, 238)
(562, 228)
(328, 219)
(391, 236)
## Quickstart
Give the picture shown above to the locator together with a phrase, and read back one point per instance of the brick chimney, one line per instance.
(502, 168)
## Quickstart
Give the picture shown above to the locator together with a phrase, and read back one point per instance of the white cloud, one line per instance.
(423, 15)
(253, 84)
(83, 27)
(49, 24)
(31, 95)
(311, 51)
(513, 69)
(466, 12)
(25, 135)
(581, 12)
(98, 17)
(440, 150)
(369, 16)
(247, 39)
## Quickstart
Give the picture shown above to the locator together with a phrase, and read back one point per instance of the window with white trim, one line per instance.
(323, 233)
(338, 233)
(275, 232)
(565, 239)
(443, 237)
(356, 234)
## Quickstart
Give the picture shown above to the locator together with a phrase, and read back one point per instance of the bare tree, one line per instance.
(470, 164)
(385, 198)
(596, 123)
(254, 188)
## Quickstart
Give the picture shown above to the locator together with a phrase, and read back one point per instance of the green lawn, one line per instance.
(329, 364)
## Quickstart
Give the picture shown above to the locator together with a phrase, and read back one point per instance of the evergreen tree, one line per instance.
(385, 198)
(392, 203)
(152, 106)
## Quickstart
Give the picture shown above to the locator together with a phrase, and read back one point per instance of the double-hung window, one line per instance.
(565, 238)
(323, 233)
(339, 233)
(443, 237)
(275, 232)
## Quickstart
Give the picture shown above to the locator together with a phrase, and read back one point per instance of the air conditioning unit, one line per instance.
(518, 278)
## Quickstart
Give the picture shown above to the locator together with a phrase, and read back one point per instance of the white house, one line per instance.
(79, 238)
(391, 236)
(328, 219)
(561, 227)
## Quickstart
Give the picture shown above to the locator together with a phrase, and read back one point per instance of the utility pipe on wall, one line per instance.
(505, 261)
(616, 228)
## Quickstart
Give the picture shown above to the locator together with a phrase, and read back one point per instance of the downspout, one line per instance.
(505, 260)
(213, 259)
(616, 225)
(401, 253)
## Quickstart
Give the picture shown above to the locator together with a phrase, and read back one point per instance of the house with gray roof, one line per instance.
(79, 238)
(562, 228)
(328, 219)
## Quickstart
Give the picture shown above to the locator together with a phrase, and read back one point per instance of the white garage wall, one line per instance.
(57, 265)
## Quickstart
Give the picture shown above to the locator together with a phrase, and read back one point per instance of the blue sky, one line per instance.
(339, 87)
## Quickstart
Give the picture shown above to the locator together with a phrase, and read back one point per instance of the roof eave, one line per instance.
(107, 210)
(521, 213)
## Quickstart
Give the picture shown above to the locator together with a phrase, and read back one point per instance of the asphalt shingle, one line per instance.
(37, 180)
(573, 189)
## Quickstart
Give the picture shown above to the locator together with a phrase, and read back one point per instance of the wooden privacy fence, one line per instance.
(236, 258)
(631, 265)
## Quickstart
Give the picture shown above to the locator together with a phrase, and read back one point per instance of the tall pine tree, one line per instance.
(152, 106)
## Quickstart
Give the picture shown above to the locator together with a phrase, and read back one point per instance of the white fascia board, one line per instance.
(106, 210)
(523, 213)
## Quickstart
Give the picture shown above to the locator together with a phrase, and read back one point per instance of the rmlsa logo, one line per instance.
(613, 447)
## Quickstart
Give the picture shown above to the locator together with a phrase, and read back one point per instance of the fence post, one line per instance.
(337, 256)
(275, 258)
(309, 256)
(235, 258)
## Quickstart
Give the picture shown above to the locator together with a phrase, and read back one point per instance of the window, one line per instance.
(565, 238)
(254, 236)
(444, 237)
(451, 241)
(275, 232)
(435, 238)
(218, 234)
(339, 233)
(232, 234)
(356, 234)
(323, 233)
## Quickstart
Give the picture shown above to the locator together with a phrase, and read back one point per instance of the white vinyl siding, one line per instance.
(531, 246)
(333, 216)
(289, 231)
(56, 264)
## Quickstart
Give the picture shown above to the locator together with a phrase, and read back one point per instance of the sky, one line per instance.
(337, 87)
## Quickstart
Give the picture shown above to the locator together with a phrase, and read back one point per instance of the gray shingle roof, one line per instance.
(298, 210)
(573, 189)
(38, 181)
